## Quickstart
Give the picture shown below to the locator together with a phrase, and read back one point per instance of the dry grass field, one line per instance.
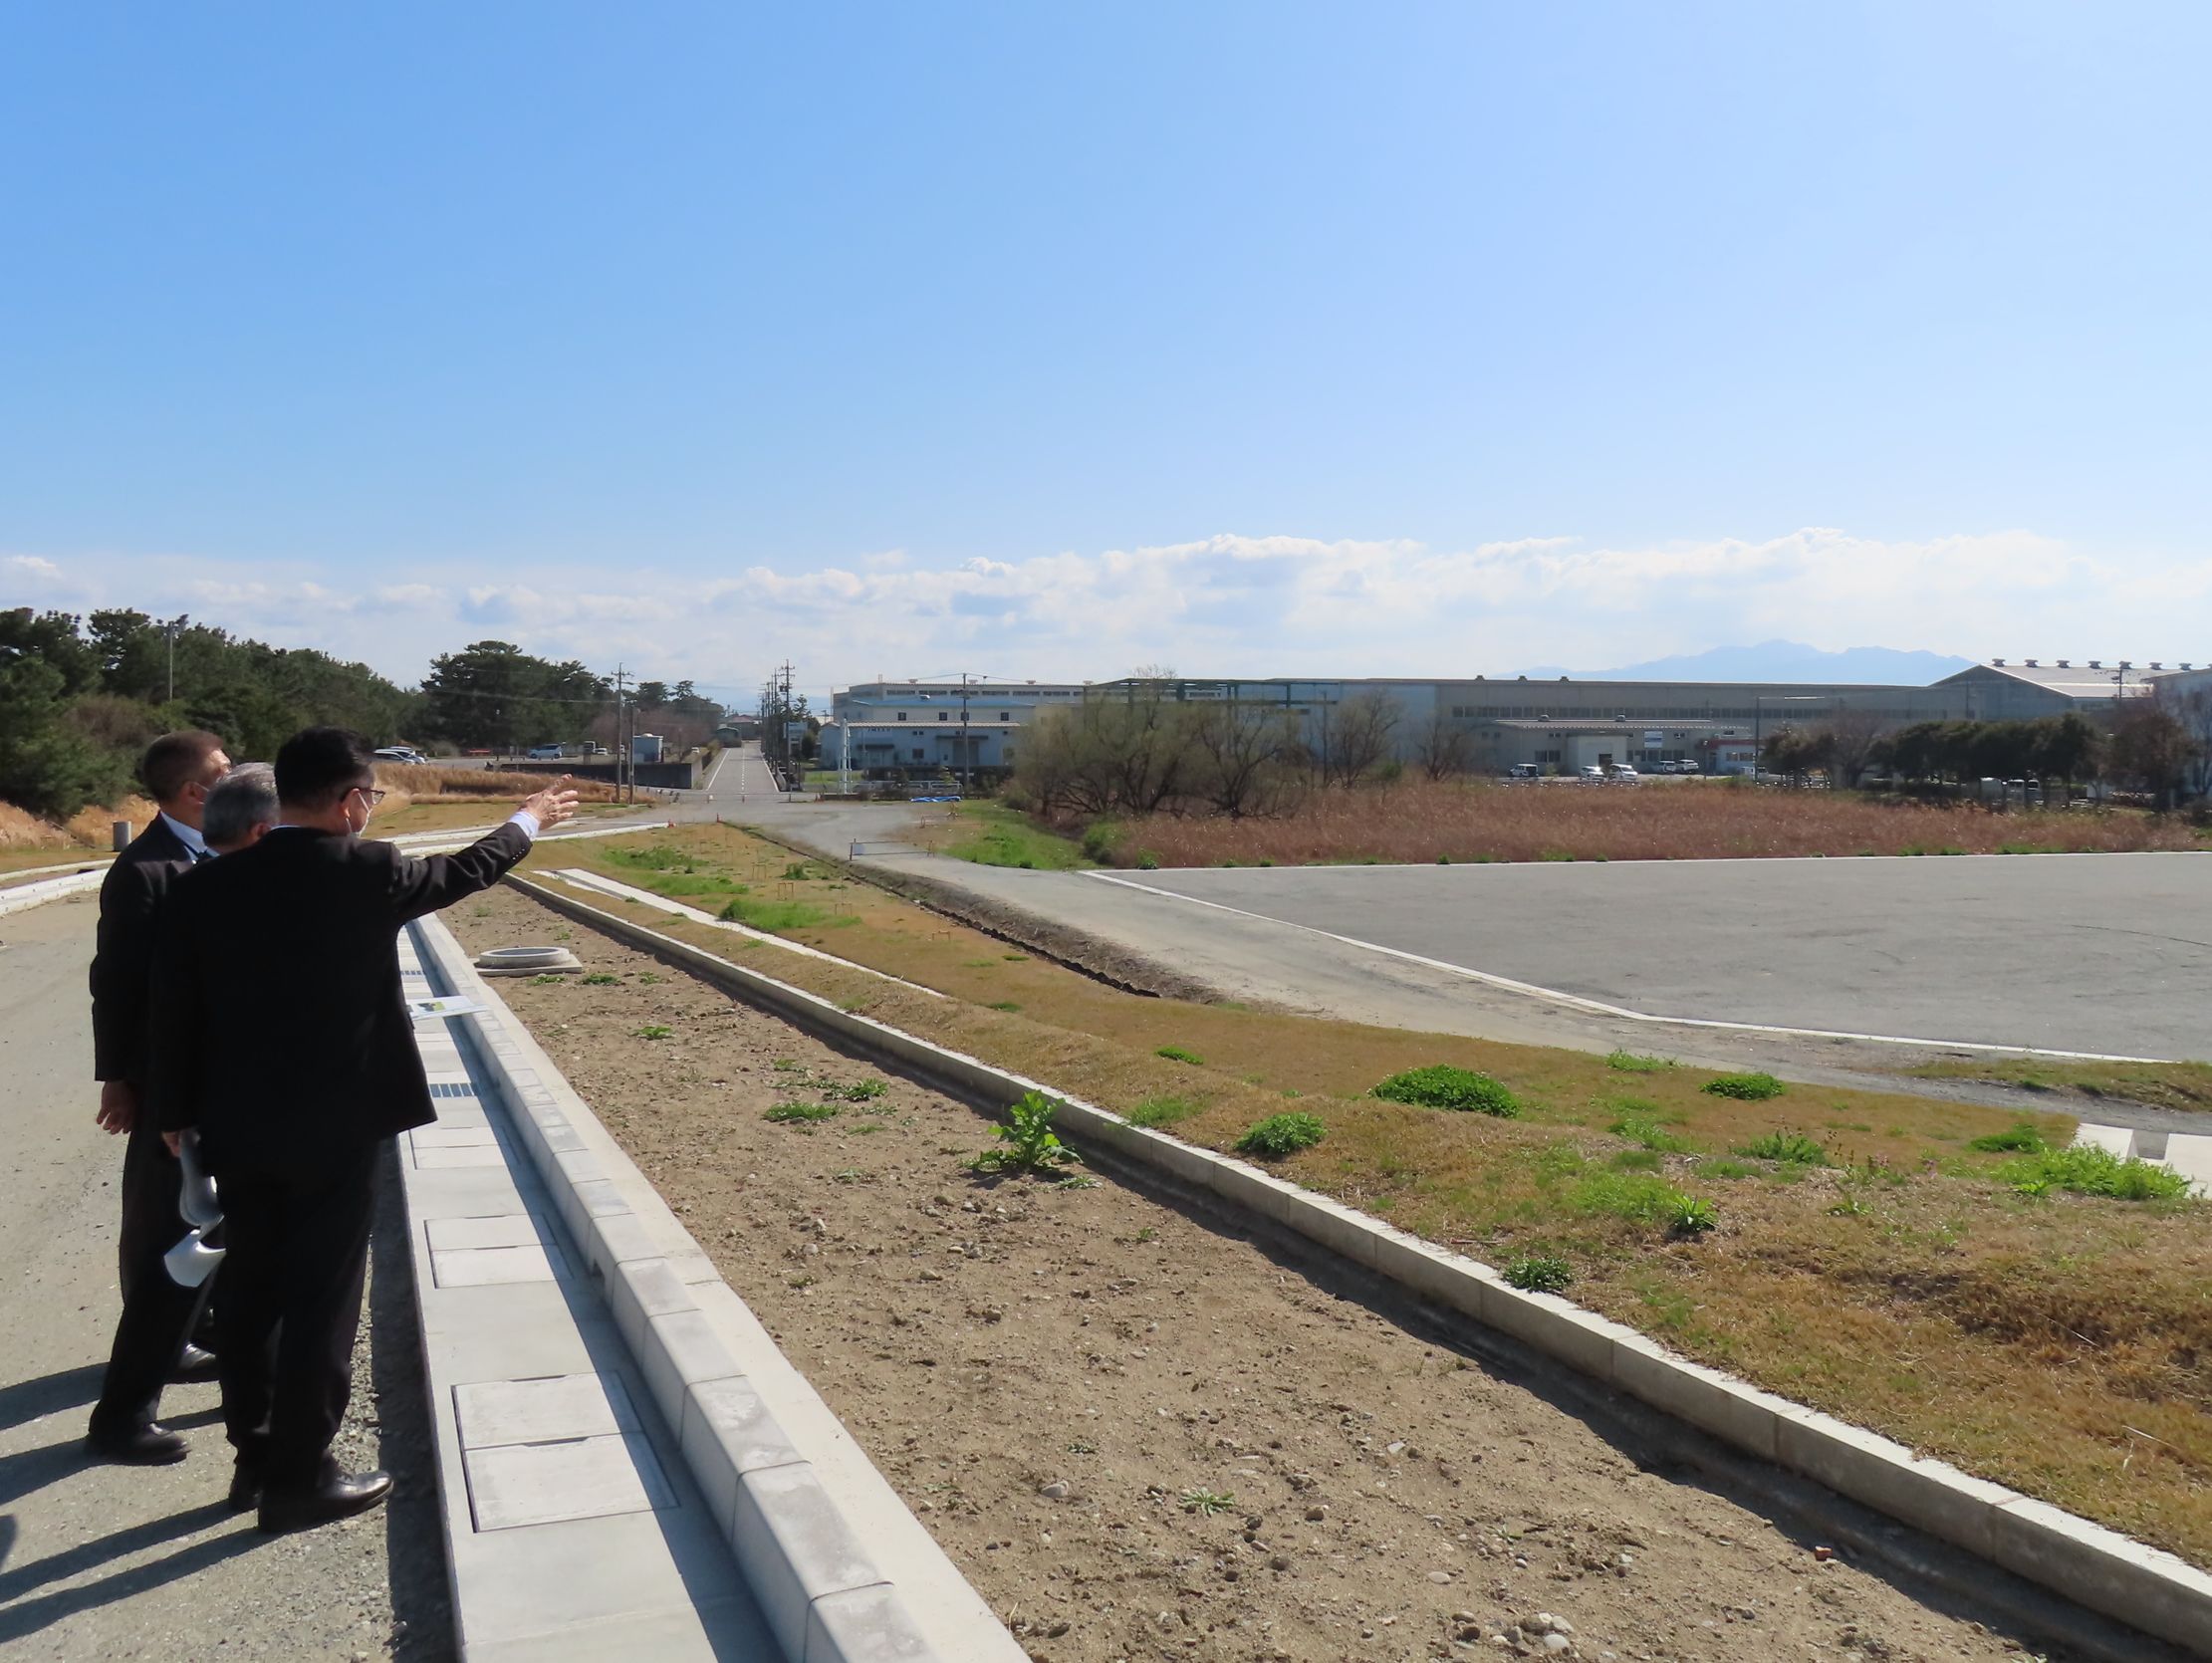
(1420, 820)
(24, 836)
(2054, 1342)
(433, 797)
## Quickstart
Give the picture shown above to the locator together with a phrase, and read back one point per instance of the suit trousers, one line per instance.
(290, 1307)
(157, 1315)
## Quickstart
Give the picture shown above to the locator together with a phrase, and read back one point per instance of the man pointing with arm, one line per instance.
(281, 1032)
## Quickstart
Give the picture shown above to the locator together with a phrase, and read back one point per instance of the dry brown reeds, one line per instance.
(1687, 820)
(424, 781)
(88, 828)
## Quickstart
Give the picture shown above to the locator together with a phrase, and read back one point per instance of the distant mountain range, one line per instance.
(1780, 661)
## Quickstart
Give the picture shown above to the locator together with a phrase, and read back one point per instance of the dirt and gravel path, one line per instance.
(1143, 1434)
(100, 1561)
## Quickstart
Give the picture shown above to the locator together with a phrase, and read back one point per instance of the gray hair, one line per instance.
(246, 797)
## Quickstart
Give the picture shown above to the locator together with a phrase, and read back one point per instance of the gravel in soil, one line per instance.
(1143, 1436)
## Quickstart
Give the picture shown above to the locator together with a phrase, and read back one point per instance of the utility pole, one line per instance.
(171, 629)
(622, 749)
(964, 742)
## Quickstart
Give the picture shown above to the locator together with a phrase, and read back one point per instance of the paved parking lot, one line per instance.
(2106, 953)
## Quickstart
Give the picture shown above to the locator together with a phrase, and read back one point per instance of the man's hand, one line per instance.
(175, 1141)
(118, 1106)
(554, 804)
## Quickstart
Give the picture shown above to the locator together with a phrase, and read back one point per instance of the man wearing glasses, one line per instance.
(281, 1034)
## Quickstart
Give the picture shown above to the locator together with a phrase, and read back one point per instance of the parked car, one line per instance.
(1590, 770)
(399, 753)
(545, 753)
(1623, 774)
(1524, 770)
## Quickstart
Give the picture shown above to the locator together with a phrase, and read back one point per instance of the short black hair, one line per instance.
(317, 766)
(174, 761)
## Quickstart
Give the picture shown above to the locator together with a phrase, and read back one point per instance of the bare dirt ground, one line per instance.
(1143, 1434)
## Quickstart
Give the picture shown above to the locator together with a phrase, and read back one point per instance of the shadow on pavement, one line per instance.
(21, 1617)
(415, 1533)
(29, 1400)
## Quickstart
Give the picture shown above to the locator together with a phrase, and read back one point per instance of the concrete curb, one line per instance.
(2144, 1587)
(820, 1590)
(23, 896)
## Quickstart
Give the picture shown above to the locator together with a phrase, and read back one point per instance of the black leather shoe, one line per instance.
(335, 1496)
(150, 1445)
(196, 1368)
(245, 1487)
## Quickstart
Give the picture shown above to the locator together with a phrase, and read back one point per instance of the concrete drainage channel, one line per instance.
(2144, 1587)
(629, 1467)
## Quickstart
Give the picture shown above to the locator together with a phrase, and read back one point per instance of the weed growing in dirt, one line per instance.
(2088, 1170)
(2022, 1139)
(1793, 1148)
(1027, 1142)
(786, 1065)
(1207, 1503)
(1649, 1134)
(1635, 1196)
(1724, 1169)
(601, 978)
(1750, 1088)
(656, 857)
(1002, 1005)
(859, 1092)
(1690, 1215)
(789, 1114)
(655, 1031)
(1440, 1085)
(1162, 1111)
(1628, 1062)
(780, 917)
(1537, 1273)
(547, 981)
(1177, 1054)
(1282, 1134)
(647, 977)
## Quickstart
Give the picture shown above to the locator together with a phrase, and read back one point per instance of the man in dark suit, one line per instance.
(152, 1339)
(281, 1034)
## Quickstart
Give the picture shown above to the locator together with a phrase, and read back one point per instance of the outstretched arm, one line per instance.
(424, 885)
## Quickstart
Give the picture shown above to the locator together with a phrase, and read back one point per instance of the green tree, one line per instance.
(47, 766)
(492, 693)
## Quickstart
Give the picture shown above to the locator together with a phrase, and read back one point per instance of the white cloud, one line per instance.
(1230, 604)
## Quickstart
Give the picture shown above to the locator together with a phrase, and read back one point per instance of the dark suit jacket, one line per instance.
(279, 1026)
(123, 959)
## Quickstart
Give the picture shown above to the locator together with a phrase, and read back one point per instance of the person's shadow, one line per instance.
(22, 1610)
(21, 1617)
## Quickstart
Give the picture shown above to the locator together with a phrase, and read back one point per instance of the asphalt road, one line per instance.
(102, 1561)
(2108, 953)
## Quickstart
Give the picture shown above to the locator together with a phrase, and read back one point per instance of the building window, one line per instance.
(1005, 716)
(902, 716)
(919, 754)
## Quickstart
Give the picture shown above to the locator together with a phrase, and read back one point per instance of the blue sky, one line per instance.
(1055, 340)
